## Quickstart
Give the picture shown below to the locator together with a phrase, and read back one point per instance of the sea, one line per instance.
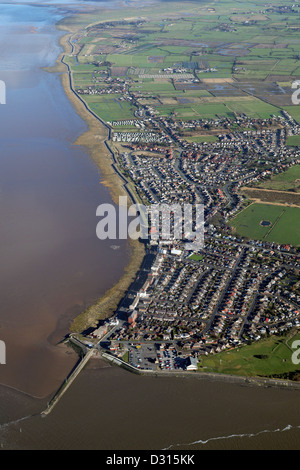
(52, 266)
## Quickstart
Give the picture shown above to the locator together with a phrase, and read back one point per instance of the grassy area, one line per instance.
(196, 257)
(203, 111)
(283, 228)
(289, 180)
(110, 107)
(268, 357)
(212, 108)
(294, 111)
(287, 230)
(259, 46)
(293, 141)
(202, 138)
(125, 358)
(153, 87)
(253, 108)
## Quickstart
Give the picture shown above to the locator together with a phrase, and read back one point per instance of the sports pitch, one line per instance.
(267, 222)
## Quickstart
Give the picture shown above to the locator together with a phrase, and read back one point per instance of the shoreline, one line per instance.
(96, 141)
(101, 154)
(244, 380)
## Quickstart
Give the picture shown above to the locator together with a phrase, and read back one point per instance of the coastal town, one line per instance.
(150, 227)
(243, 284)
(232, 292)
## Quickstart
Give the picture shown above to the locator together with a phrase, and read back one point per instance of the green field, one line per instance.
(270, 356)
(110, 107)
(196, 257)
(251, 46)
(284, 222)
(293, 141)
(203, 111)
(154, 87)
(202, 138)
(294, 111)
(253, 108)
(287, 181)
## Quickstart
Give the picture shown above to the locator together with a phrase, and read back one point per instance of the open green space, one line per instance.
(268, 357)
(234, 38)
(286, 181)
(200, 111)
(202, 138)
(253, 108)
(282, 223)
(110, 107)
(195, 257)
(293, 141)
(154, 87)
(294, 111)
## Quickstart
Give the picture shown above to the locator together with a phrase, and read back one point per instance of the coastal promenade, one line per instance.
(79, 97)
(241, 380)
(238, 379)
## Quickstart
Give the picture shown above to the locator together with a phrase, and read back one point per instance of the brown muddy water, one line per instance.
(52, 265)
(108, 408)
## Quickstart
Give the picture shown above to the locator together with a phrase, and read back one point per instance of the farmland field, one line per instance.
(110, 107)
(226, 42)
(294, 111)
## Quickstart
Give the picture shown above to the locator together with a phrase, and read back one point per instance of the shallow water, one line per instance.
(51, 263)
(108, 408)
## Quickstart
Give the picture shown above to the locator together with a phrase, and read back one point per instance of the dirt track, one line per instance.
(277, 198)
